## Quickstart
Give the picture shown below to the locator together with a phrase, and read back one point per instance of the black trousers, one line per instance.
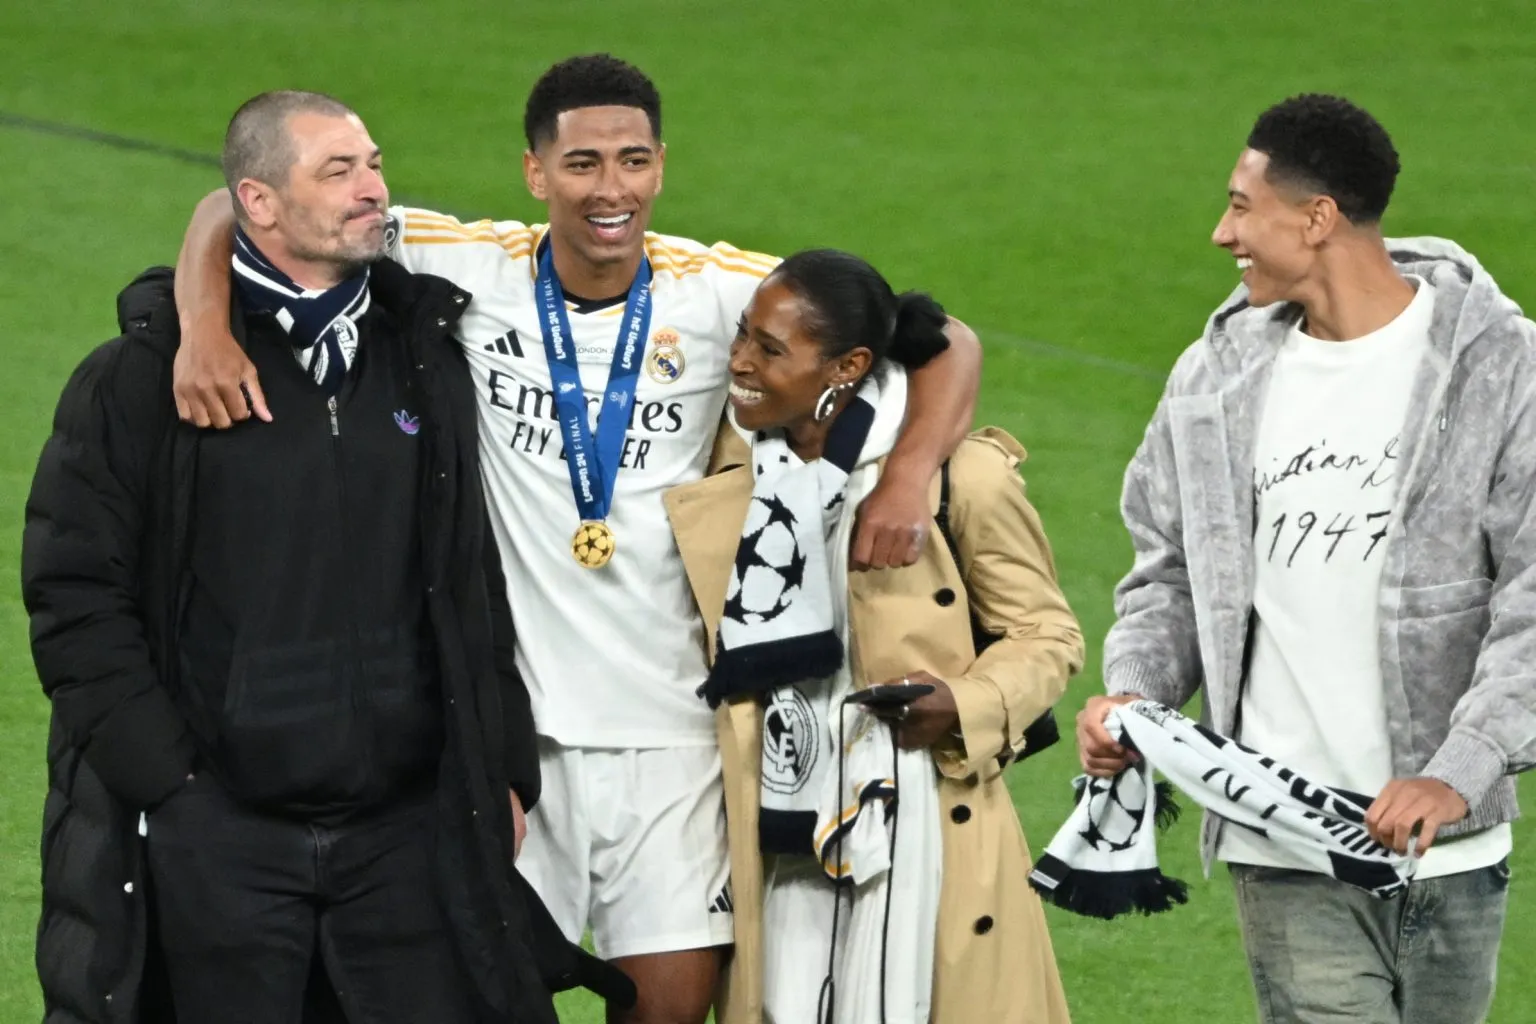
(247, 903)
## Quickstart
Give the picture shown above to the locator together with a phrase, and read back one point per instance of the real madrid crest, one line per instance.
(665, 361)
(790, 742)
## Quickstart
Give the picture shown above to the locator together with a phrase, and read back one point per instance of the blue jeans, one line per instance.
(1322, 951)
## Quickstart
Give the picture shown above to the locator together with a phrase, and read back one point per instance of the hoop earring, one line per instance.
(828, 399)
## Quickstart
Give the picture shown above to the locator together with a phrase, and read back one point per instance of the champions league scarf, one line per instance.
(777, 627)
(1103, 861)
(780, 636)
(833, 785)
(321, 323)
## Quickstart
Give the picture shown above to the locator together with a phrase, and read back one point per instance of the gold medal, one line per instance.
(592, 545)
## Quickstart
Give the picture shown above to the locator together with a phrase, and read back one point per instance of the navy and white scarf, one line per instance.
(778, 628)
(1103, 861)
(783, 633)
(321, 323)
(833, 784)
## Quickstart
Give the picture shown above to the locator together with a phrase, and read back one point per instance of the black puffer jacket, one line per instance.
(103, 560)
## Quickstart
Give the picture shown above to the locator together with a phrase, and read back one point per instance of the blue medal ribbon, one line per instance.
(594, 467)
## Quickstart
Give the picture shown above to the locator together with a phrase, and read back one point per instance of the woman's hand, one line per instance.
(927, 720)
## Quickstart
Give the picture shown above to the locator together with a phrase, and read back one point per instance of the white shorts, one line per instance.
(632, 843)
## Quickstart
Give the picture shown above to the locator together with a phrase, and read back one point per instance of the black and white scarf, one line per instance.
(834, 786)
(1103, 861)
(780, 635)
(321, 323)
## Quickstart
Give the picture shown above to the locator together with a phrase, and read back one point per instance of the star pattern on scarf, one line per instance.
(746, 553)
(791, 574)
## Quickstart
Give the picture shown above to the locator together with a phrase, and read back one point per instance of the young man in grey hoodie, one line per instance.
(1332, 514)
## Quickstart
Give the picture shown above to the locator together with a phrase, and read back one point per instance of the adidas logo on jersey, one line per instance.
(508, 345)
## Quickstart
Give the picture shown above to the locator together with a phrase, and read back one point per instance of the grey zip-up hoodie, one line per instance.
(1458, 582)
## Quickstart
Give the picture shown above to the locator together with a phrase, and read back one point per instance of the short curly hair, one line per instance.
(1329, 146)
(593, 80)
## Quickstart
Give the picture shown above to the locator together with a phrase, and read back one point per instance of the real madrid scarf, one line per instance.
(1103, 861)
(321, 323)
(779, 635)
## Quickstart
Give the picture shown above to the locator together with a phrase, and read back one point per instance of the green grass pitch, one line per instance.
(1050, 171)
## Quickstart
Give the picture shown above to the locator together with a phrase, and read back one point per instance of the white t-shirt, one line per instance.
(1325, 482)
(611, 656)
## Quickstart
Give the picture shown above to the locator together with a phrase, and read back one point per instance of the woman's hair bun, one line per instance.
(918, 334)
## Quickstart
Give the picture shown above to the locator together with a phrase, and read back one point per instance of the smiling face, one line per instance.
(599, 175)
(1272, 231)
(778, 370)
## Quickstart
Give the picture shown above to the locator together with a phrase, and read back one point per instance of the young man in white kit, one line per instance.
(1333, 522)
(628, 838)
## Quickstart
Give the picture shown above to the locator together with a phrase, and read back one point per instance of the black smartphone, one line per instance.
(890, 695)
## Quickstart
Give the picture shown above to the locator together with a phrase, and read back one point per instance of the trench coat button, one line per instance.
(109, 997)
(960, 814)
(442, 321)
(944, 597)
(983, 925)
(458, 298)
(128, 887)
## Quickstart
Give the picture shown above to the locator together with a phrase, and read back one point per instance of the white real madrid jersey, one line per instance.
(611, 656)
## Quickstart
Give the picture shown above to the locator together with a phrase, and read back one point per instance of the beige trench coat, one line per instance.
(993, 960)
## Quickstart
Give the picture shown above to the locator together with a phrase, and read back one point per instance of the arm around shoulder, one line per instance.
(893, 519)
(215, 383)
(941, 406)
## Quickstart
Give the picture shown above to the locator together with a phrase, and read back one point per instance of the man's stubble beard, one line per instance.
(347, 257)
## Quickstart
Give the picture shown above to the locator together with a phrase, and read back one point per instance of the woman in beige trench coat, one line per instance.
(993, 960)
